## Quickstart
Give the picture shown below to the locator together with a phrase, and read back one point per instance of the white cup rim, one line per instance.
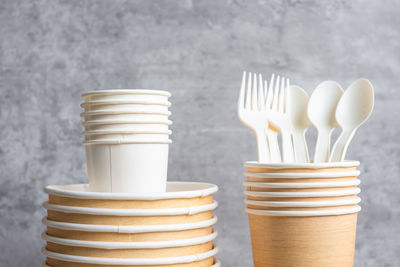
(130, 245)
(112, 142)
(126, 92)
(174, 190)
(129, 228)
(303, 185)
(304, 213)
(216, 264)
(113, 122)
(311, 165)
(125, 102)
(129, 261)
(110, 132)
(304, 194)
(303, 204)
(112, 112)
(131, 212)
(299, 175)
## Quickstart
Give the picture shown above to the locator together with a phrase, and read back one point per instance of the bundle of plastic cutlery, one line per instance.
(275, 106)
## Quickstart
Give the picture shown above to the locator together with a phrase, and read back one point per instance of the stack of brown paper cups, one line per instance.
(126, 139)
(174, 228)
(302, 214)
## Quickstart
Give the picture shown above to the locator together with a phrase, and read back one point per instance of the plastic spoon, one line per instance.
(321, 112)
(297, 110)
(353, 109)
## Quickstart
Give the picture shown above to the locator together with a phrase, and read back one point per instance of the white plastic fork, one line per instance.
(252, 112)
(272, 136)
(276, 105)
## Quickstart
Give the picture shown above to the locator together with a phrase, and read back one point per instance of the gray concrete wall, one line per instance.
(51, 51)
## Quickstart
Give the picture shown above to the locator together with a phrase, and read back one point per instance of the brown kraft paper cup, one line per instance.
(131, 253)
(303, 241)
(127, 220)
(131, 204)
(57, 263)
(259, 207)
(318, 189)
(129, 237)
(283, 199)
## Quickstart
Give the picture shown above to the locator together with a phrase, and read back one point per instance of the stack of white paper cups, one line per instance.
(126, 139)
(302, 214)
(97, 229)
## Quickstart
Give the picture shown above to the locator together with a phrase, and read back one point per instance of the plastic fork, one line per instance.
(252, 112)
(276, 105)
(272, 134)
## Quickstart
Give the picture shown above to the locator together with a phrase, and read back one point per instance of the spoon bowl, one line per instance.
(321, 112)
(353, 109)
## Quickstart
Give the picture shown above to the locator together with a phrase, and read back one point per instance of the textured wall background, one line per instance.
(52, 51)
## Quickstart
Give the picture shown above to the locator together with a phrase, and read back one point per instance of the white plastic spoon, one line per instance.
(321, 112)
(297, 110)
(353, 109)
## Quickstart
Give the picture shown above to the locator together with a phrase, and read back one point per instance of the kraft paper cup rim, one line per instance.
(304, 194)
(110, 132)
(303, 185)
(124, 141)
(130, 261)
(124, 102)
(129, 228)
(118, 112)
(131, 212)
(304, 213)
(126, 92)
(295, 175)
(303, 204)
(311, 165)
(115, 121)
(130, 245)
(174, 190)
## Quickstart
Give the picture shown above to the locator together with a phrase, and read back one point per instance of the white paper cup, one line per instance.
(96, 116)
(128, 135)
(127, 125)
(126, 94)
(127, 167)
(124, 261)
(151, 106)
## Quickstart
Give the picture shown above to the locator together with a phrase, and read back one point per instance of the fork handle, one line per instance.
(262, 146)
(272, 138)
(287, 147)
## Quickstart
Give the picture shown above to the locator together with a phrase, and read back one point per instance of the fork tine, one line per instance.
(282, 96)
(270, 92)
(254, 105)
(248, 92)
(261, 104)
(241, 95)
(276, 95)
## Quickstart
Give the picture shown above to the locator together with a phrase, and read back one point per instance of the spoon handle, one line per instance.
(300, 147)
(272, 138)
(341, 144)
(322, 148)
(287, 147)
